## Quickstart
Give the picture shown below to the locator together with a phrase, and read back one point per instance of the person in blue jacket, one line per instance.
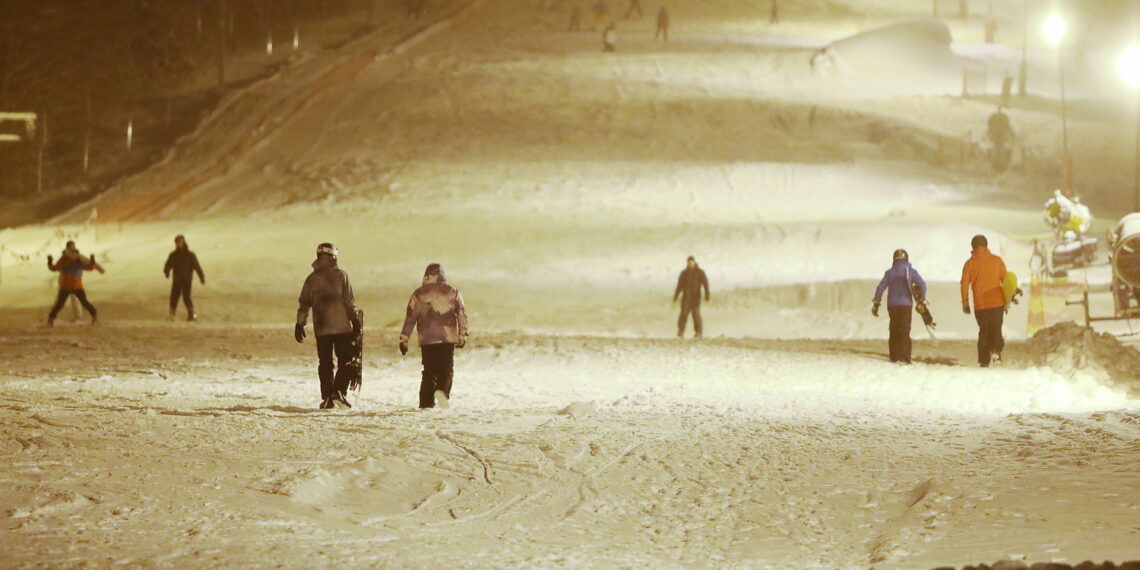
(897, 282)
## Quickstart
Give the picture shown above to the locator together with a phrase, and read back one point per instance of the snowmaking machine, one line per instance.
(1124, 257)
(1070, 247)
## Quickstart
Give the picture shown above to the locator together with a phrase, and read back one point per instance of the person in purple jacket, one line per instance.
(436, 309)
(898, 282)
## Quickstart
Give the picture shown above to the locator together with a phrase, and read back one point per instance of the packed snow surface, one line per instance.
(563, 188)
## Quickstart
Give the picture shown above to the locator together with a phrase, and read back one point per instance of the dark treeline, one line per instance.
(90, 68)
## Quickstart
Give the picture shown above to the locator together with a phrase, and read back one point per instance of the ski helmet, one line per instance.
(900, 255)
(328, 249)
(979, 241)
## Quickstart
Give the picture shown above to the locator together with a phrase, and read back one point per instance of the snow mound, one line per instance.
(901, 53)
(1070, 349)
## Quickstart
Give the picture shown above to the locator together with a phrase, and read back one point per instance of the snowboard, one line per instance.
(1010, 289)
(923, 309)
(356, 365)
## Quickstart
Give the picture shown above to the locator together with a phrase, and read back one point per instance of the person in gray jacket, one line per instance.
(328, 293)
(437, 310)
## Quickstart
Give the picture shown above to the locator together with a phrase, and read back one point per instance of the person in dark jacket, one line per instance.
(897, 282)
(328, 293)
(437, 311)
(689, 285)
(71, 266)
(184, 264)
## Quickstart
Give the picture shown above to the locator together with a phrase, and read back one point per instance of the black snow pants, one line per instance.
(341, 344)
(690, 306)
(439, 363)
(989, 333)
(62, 298)
(181, 288)
(899, 342)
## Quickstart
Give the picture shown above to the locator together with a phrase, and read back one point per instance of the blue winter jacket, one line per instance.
(895, 282)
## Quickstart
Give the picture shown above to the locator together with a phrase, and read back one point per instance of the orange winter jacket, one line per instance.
(984, 272)
(71, 271)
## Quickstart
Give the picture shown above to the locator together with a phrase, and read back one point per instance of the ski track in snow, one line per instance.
(705, 454)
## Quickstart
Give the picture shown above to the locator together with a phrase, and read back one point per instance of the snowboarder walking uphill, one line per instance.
(328, 293)
(897, 283)
(662, 24)
(436, 309)
(689, 285)
(184, 264)
(71, 266)
(984, 274)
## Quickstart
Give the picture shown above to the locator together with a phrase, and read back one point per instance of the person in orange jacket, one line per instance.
(984, 274)
(71, 266)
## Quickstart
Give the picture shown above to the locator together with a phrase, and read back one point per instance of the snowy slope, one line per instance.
(563, 188)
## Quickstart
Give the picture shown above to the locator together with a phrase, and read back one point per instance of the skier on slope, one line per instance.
(897, 283)
(328, 293)
(662, 24)
(71, 266)
(984, 274)
(689, 285)
(436, 309)
(184, 264)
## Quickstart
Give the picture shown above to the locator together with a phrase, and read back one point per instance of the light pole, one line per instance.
(1023, 68)
(1128, 65)
(1055, 35)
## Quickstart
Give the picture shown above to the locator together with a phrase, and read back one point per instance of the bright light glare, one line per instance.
(1054, 29)
(1128, 65)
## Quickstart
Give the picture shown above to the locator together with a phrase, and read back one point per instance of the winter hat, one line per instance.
(693, 259)
(979, 241)
(180, 238)
(328, 249)
(900, 255)
(71, 250)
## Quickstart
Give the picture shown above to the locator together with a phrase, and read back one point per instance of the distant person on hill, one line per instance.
(71, 266)
(897, 282)
(662, 24)
(609, 38)
(328, 293)
(575, 18)
(184, 264)
(984, 274)
(634, 6)
(689, 285)
(437, 311)
(601, 14)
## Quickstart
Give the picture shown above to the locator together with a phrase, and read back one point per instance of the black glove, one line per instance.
(51, 260)
(299, 333)
(403, 349)
(93, 259)
(462, 342)
(355, 327)
(875, 308)
(966, 308)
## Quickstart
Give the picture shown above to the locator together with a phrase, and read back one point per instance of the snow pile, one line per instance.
(1070, 349)
(898, 53)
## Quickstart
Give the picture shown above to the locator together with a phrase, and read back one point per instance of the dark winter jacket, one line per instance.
(436, 309)
(689, 285)
(896, 281)
(184, 264)
(328, 293)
